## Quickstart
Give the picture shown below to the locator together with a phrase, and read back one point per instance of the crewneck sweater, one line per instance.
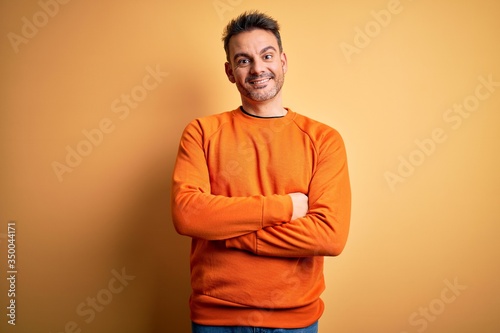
(251, 265)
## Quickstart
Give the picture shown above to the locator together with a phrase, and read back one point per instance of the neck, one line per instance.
(270, 108)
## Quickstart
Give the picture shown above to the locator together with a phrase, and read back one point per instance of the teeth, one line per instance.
(260, 81)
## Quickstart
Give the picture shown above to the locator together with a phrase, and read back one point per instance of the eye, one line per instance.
(268, 56)
(243, 62)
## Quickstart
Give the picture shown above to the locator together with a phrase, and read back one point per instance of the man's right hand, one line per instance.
(300, 203)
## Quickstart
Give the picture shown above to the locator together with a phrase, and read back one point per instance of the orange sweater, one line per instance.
(251, 265)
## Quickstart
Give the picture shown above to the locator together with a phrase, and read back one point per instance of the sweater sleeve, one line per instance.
(198, 213)
(324, 230)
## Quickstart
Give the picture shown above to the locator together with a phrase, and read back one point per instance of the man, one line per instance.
(264, 193)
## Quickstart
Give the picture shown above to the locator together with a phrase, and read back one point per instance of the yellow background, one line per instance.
(408, 241)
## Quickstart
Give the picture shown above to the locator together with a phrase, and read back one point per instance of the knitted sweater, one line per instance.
(251, 265)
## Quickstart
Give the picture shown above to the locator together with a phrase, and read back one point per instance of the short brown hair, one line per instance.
(249, 21)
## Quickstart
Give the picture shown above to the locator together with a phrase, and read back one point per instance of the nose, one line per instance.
(257, 67)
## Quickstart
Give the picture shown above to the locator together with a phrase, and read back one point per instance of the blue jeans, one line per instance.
(247, 329)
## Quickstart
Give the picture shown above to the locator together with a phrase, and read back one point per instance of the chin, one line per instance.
(262, 97)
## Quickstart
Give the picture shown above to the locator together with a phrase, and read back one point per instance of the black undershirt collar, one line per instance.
(252, 115)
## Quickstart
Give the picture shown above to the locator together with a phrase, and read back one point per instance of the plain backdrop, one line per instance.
(94, 97)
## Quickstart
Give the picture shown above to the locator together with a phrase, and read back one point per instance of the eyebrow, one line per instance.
(246, 55)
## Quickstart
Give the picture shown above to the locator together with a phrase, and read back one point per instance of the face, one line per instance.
(256, 65)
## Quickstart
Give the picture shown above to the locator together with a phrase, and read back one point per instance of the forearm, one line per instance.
(215, 217)
(312, 235)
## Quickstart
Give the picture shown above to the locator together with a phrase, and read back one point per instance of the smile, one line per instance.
(260, 82)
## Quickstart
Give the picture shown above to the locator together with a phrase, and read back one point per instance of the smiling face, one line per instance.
(256, 65)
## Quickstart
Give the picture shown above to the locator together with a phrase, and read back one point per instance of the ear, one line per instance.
(284, 62)
(229, 72)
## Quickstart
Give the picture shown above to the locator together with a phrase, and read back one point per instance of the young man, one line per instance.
(264, 193)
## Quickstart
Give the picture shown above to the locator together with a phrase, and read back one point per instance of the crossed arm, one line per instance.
(290, 225)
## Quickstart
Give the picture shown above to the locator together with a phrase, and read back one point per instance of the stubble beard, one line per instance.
(258, 95)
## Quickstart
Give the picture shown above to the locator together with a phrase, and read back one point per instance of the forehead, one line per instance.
(252, 41)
